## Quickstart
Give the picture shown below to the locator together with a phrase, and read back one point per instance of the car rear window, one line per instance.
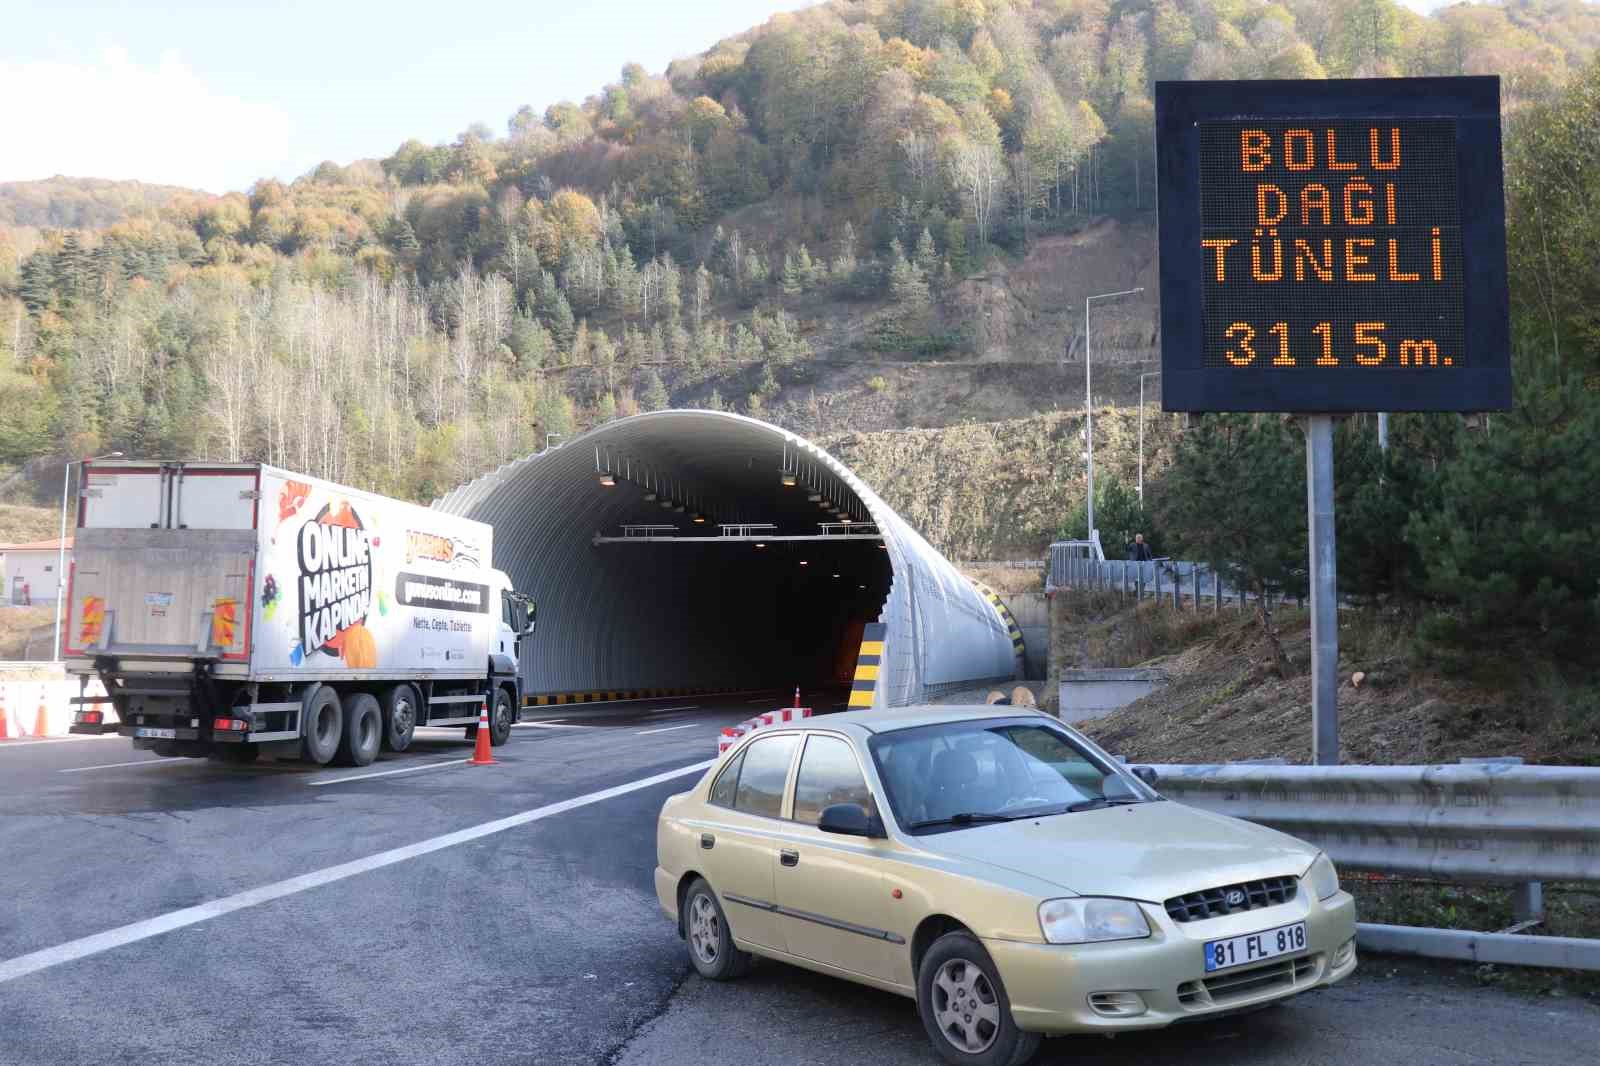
(828, 774)
(727, 783)
(763, 775)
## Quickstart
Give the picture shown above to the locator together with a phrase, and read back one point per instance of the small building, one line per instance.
(29, 571)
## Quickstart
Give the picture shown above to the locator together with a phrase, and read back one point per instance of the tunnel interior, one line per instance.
(665, 552)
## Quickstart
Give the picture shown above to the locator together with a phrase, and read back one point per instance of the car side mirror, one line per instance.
(849, 820)
(533, 618)
(1147, 774)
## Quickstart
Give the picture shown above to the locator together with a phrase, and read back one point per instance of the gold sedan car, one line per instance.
(1001, 870)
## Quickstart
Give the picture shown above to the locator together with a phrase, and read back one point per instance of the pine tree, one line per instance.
(72, 267)
(36, 284)
(652, 393)
(1242, 510)
(562, 322)
(791, 275)
(806, 267)
(926, 256)
(400, 237)
(714, 401)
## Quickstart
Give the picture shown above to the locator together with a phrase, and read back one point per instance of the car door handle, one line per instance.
(707, 841)
(789, 858)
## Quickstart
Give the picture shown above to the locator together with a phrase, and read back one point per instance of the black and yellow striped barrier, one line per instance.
(868, 662)
(1012, 628)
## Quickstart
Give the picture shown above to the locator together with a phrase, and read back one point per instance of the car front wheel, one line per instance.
(711, 948)
(964, 1006)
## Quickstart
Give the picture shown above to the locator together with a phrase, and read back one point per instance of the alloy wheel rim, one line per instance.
(403, 716)
(704, 930)
(966, 1007)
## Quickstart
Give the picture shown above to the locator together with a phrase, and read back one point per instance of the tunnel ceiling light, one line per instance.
(804, 562)
(846, 519)
(699, 519)
(835, 575)
(788, 479)
(863, 586)
(760, 545)
(607, 480)
(814, 496)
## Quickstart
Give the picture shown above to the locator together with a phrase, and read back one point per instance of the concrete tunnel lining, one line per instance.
(719, 614)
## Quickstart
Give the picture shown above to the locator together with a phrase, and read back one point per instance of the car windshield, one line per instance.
(970, 773)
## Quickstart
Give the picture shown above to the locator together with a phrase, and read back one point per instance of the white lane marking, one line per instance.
(549, 725)
(17, 743)
(388, 773)
(158, 761)
(690, 707)
(132, 933)
(667, 729)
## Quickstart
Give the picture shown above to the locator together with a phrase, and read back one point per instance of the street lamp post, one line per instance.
(1088, 396)
(1149, 374)
(61, 546)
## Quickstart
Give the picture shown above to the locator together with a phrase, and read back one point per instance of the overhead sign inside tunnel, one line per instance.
(1332, 246)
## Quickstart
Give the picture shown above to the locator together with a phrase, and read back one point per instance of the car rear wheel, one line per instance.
(964, 1006)
(711, 947)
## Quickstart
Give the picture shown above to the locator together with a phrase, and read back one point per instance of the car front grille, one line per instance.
(1276, 976)
(1247, 896)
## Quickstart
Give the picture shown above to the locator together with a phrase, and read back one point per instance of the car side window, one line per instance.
(828, 774)
(765, 772)
(727, 782)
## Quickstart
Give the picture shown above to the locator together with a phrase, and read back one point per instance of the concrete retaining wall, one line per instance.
(1087, 694)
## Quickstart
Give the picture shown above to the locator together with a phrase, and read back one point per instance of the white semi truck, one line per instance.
(235, 608)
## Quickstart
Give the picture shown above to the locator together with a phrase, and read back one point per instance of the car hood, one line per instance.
(1147, 851)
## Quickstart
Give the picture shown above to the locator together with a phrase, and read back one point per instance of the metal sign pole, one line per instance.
(1324, 592)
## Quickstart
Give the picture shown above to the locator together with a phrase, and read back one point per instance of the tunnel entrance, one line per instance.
(703, 550)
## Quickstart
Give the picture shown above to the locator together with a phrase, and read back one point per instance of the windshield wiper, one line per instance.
(965, 818)
(1101, 801)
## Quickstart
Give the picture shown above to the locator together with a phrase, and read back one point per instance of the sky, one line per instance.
(213, 94)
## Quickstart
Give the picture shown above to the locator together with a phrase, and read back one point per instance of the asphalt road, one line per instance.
(181, 911)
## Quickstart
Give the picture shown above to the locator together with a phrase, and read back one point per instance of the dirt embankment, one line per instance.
(1225, 703)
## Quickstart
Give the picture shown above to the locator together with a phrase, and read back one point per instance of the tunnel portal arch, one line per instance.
(690, 549)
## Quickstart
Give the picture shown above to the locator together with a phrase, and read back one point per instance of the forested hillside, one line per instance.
(892, 182)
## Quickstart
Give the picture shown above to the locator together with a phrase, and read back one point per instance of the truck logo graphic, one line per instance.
(451, 551)
(335, 555)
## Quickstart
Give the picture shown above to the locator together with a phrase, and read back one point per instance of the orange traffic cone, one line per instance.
(796, 696)
(480, 750)
(5, 727)
(41, 721)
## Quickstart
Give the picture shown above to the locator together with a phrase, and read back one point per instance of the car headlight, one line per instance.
(1322, 877)
(1083, 920)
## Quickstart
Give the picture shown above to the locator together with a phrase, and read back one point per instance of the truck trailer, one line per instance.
(235, 608)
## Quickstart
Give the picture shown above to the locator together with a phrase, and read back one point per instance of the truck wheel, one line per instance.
(324, 725)
(501, 715)
(399, 717)
(363, 731)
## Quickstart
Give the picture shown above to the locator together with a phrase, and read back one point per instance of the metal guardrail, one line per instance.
(1494, 822)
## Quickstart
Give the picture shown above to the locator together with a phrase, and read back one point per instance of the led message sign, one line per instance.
(1332, 246)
